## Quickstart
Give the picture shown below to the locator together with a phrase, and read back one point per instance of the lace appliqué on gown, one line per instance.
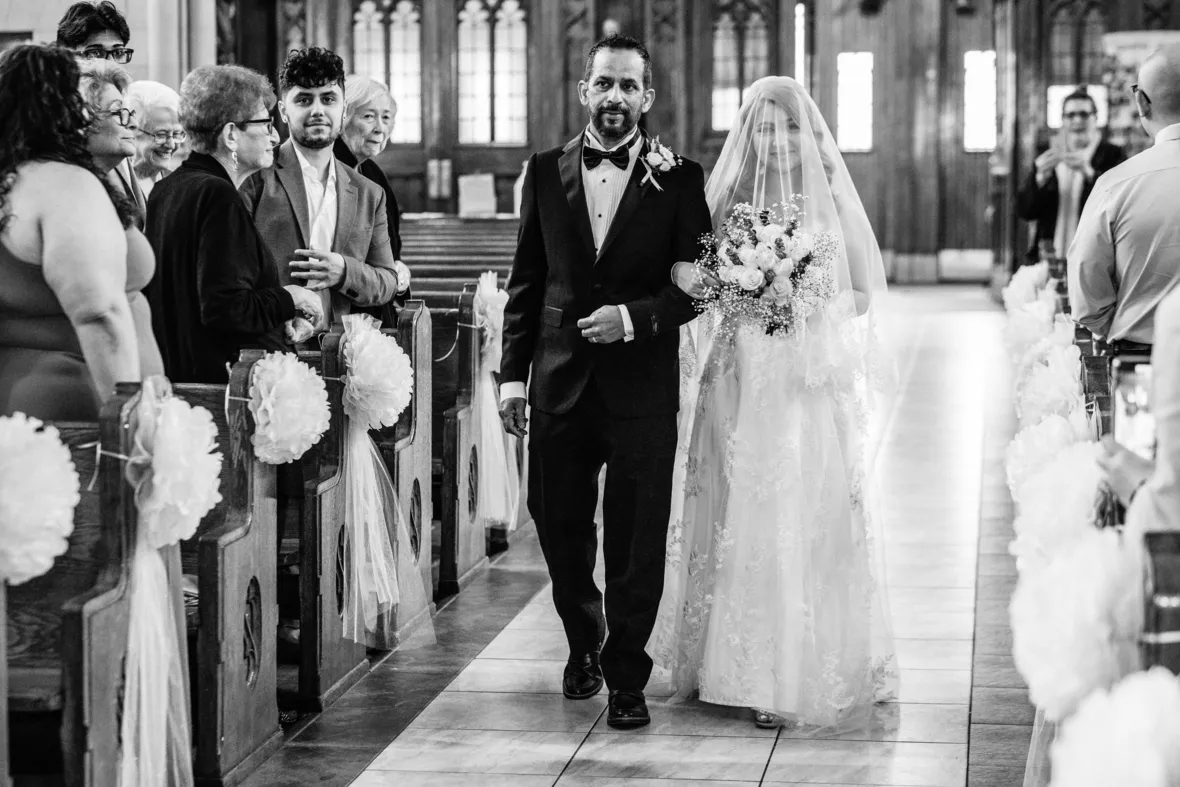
(770, 599)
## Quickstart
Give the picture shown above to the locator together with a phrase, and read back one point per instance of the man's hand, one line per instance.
(693, 279)
(604, 326)
(1046, 163)
(307, 303)
(1126, 470)
(298, 330)
(321, 269)
(513, 417)
(403, 276)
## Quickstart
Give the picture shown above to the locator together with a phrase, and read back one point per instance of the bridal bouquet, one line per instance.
(771, 271)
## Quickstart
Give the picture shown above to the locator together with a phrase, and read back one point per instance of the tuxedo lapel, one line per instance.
(570, 167)
(632, 196)
(291, 179)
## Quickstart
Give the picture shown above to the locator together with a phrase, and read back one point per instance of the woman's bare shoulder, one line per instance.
(57, 182)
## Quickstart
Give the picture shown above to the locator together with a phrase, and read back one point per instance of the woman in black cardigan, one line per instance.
(1068, 170)
(216, 290)
(369, 112)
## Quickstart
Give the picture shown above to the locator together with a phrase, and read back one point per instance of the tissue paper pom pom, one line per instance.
(1076, 622)
(1053, 386)
(1036, 446)
(1060, 336)
(1129, 736)
(289, 402)
(1025, 284)
(178, 481)
(38, 494)
(1025, 327)
(1057, 503)
(380, 380)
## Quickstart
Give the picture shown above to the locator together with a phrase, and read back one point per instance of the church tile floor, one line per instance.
(484, 705)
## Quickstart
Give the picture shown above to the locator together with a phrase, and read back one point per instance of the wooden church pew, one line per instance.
(3, 687)
(463, 543)
(1160, 642)
(68, 629)
(232, 646)
(406, 449)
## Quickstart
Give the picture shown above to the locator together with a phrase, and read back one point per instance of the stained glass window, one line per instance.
(493, 66)
(854, 101)
(1062, 46)
(741, 54)
(979, 108)
(387, 47)
(1093, 54)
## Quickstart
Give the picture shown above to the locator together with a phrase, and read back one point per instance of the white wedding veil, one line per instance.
(780, 146)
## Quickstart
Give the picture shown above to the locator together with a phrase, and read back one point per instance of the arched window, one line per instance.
(1092, 52)
(493, 65)
(1075, 55)
(741, 54)
(387, 46)
(1062, 45)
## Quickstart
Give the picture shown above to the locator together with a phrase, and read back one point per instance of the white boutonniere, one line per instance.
(659, 158)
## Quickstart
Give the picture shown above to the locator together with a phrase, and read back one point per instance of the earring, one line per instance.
(233, 157)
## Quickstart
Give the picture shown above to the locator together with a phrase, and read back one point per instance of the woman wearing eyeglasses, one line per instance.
(161, 143)
(217, 288)
(72, 320)
(1063, 176)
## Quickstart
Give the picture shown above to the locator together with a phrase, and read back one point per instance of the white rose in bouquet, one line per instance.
(782, 289)
(769, 233)
(801, 245)
(748, 256)
(751, 279)
(784, 268)
(767, 259)
(729, 274)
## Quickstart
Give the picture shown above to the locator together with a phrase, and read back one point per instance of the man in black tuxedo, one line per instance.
(593, 311)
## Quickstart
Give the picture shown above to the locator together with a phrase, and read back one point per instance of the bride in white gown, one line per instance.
(770, 597)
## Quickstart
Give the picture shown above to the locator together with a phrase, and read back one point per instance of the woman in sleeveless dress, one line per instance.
(69, 255)
(770, 598)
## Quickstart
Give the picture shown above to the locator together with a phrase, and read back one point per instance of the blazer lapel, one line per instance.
(570, 167)
(291, 178)
(346, 208)
(632, 196)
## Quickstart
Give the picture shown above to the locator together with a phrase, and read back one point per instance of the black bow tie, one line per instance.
(620, 156)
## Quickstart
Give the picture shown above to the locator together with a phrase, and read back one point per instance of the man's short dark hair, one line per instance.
(620, 43)
(1081, 94)
(86, 19)
(311, 67)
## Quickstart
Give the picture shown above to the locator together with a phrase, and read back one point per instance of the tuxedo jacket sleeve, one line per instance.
(526, 286)
(671, 307)
(371, 281)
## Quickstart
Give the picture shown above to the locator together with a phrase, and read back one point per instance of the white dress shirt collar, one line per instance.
(313, 174)
(1168, 133)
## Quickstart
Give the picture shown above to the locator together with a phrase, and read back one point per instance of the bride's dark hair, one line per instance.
(45, 119)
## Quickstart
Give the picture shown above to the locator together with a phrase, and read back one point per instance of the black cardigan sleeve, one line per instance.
(237, 283)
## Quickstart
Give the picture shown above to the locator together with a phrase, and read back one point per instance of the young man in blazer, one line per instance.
(324, 222)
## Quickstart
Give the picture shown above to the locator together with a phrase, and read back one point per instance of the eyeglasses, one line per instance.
(1079, 115)
(116, 55)
(124, 116)
(1135, 91)
(162, 137)
(269, 124)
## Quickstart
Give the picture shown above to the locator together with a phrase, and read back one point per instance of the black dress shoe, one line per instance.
(628, 710)
(582, 678)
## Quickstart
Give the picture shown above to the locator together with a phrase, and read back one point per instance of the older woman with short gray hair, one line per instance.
(369, 112)
(161, 142)
(216, 290)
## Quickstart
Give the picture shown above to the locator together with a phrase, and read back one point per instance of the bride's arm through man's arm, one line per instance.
(671, 307)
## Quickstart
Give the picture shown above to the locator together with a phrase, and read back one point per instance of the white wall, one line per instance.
(169, 36)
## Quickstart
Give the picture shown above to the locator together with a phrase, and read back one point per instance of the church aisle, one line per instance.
(503, 720)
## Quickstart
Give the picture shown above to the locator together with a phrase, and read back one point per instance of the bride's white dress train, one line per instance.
(770, 599)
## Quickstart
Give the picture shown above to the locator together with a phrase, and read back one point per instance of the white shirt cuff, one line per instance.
(403, 276)
(511, 391)
(628, 326)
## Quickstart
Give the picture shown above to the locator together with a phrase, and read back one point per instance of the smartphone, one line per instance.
(1132, 421)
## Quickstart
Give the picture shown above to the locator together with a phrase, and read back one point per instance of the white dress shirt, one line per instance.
(322, 203)
(1125, 255)
(604, 187)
